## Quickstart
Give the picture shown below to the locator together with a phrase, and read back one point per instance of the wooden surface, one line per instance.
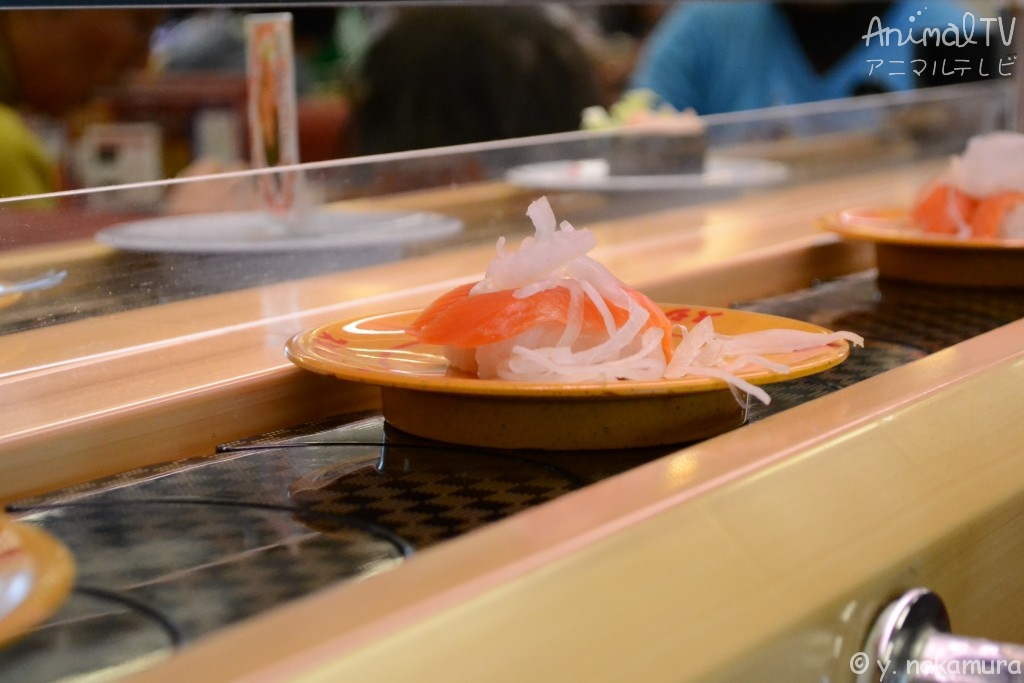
(762, 554)
(70, 390)
(759, 555)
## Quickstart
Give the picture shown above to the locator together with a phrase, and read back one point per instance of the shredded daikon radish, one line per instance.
(963, 226)
(545, 364)
(780, 341)
(704, 352)
(574, 323)
(1013, 223)
(556, 256)
(539, 258)
(991, 163)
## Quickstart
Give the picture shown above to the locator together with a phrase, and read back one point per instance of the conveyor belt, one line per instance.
(168, 554)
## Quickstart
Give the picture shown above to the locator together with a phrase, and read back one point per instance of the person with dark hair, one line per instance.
(51, 61)
(720, 57)
(214, 40)
(451, 75)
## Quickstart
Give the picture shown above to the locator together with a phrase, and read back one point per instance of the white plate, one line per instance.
(593, 175)
(260, 231)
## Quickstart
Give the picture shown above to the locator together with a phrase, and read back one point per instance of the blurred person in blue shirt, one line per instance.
(719, 57)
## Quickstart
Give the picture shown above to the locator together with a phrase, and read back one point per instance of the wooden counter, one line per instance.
(145, 379)
(758, 555)
(755, 556)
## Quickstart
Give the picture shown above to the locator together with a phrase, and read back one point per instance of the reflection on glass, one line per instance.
(467, 194)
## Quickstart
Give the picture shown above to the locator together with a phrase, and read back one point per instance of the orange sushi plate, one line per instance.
(36, 575)
(422, 395)
(9, 299)
(904, 252)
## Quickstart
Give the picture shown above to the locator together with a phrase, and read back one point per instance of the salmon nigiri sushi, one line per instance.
(982, 194)
(549, 311)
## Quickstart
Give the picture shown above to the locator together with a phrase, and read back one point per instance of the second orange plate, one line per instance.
(904, 252)
(422, 395)
(36, 575)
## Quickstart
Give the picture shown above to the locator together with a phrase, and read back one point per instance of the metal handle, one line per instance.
(911, 643)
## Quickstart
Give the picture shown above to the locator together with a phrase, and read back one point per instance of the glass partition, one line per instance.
(207, 229)
(151, 243)
(164, 235)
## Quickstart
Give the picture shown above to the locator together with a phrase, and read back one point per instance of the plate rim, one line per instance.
(774, 172)
(884, 234)
(469, 385)
(54, 576)
(435, 226)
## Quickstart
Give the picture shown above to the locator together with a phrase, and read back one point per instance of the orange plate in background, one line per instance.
(36, 574)
(8, 299)
(422, 395)
(904, 252)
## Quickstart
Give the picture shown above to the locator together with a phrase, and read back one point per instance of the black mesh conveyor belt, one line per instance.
(170, 553)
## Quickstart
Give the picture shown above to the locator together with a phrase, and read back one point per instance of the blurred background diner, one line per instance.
(424, 76)
(51, 63)
(105, 97)
(445, 76)
(147, 324)
(176, 79)
(718, 57)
